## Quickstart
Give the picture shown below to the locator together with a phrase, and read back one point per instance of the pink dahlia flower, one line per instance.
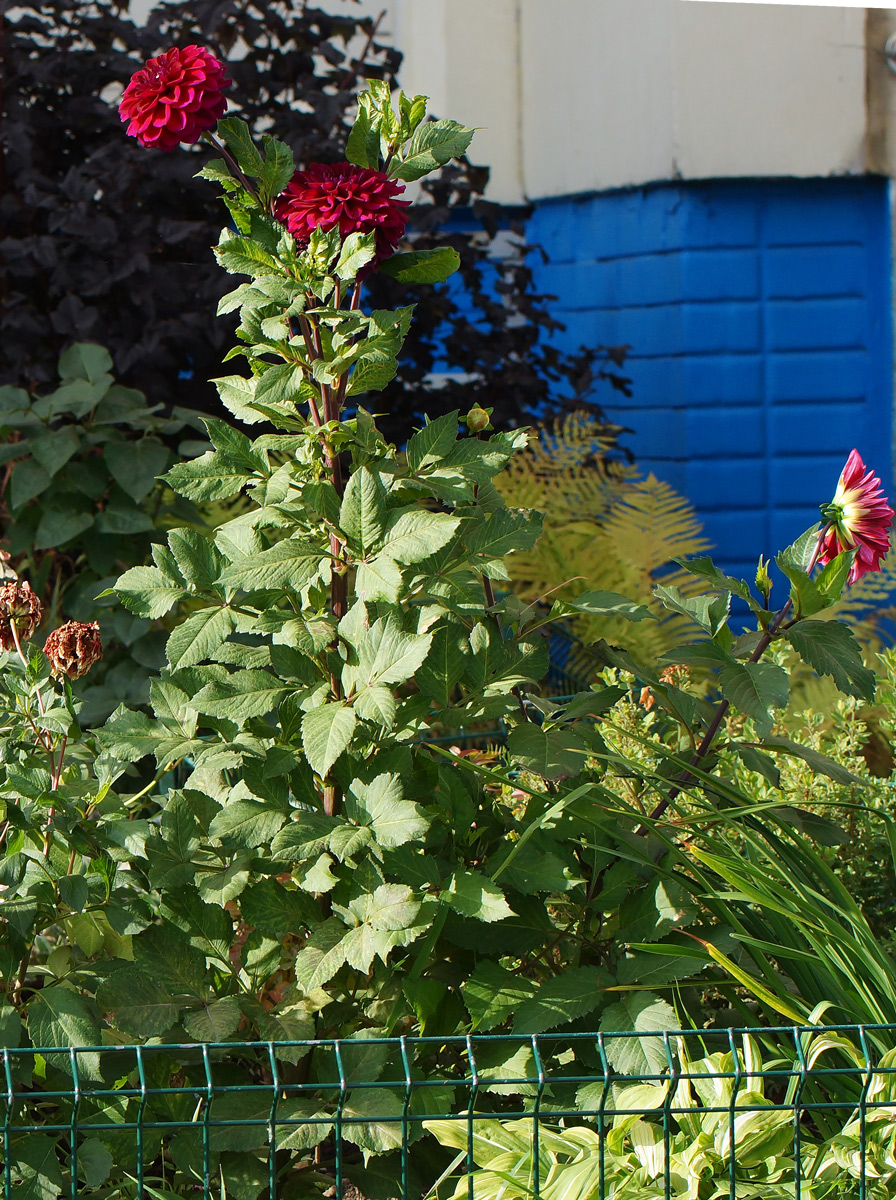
(175, 98)
(356, 199)
(859, 518)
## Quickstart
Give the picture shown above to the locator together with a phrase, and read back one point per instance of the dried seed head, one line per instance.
(74, 648)
(20, 611)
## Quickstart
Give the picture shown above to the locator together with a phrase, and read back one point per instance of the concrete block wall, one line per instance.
(759, 316)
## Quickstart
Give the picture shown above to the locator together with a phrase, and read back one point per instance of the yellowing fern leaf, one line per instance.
(605, 528)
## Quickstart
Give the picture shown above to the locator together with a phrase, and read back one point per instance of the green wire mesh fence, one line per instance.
(796, 1113)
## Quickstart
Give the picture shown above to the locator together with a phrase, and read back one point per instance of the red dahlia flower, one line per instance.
(356, 199)
(175, 98)
(859, 518)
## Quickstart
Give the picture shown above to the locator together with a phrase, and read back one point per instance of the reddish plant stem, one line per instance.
(234, 166)
(702, 750)
(333, 401)
(58, 772)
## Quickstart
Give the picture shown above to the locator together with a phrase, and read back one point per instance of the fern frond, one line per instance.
(605, 528)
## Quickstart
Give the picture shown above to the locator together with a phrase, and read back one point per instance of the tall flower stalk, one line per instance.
(857, 532)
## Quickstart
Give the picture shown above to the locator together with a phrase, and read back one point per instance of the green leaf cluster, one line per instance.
(82, 493)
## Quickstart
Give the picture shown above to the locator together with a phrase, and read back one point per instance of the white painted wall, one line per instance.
(583, 95)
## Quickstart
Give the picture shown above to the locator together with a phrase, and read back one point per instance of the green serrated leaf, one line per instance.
(710, 612)
(363, 512)
(321, 956)
(236, 136)
(504, 531)
(560, 1000)
(417, 534)
(58, 1016)
(610, 604)
(241, 256)
(212, 476)
(246, 823)
(165, 955)
(373, 1119)
(198, 637)
(277, 910)
(388, 655)
(432, 443)
(379, 579)
(431, 146)
(805, 594)
(278, 168)
(358, 249)
(380, 804)
(215, 1020)
(291, 563)
(241, 696)
(552, 754)
(639, 1012)
(326, 733)
(755, 688)
(146, 592)
(799, 555)
(830, 648)
(474, 895)
(492, 994)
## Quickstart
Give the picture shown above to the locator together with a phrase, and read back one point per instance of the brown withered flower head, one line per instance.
(19, 610)
(74, 648)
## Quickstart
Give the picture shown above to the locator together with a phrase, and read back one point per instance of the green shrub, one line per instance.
(81, 502)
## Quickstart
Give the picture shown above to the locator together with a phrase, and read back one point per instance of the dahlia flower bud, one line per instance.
(20, 611)
(352, 199)
(174, 98)
(478, 419)
(74, 648)
(858, 518)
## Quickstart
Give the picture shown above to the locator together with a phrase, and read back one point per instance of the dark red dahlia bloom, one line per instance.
(175, 98)
(356, 199)
(859, 518)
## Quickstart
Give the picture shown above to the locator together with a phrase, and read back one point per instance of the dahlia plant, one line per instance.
(310, 858)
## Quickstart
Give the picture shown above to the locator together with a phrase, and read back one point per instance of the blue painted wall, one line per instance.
(759, 316)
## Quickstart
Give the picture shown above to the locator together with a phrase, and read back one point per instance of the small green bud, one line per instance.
(763, 579)
(478, 419)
